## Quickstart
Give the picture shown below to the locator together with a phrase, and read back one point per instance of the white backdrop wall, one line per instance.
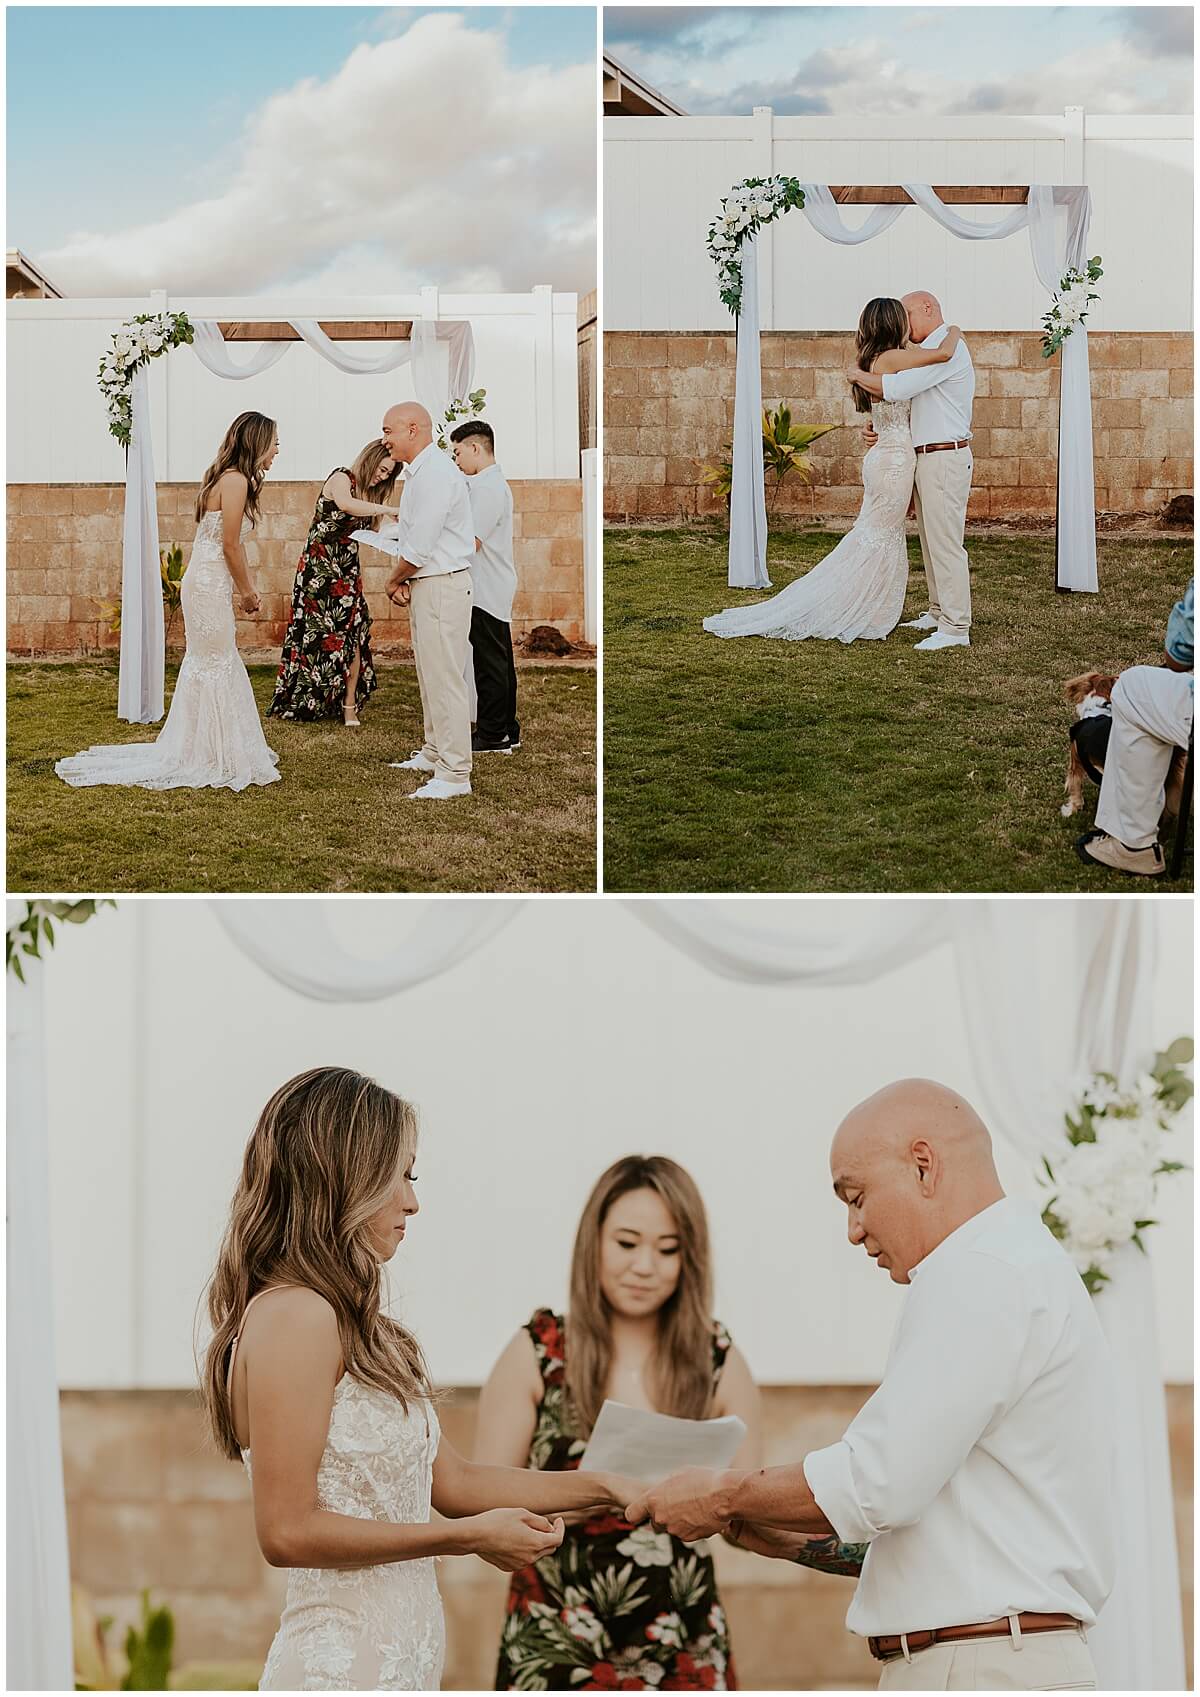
(164, 1042)
(664, 177)
(525, 357)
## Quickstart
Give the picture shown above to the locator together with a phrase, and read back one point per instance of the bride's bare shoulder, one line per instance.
(892, 359)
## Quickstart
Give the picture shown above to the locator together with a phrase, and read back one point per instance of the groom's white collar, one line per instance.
(935, 337)
(970, 1229)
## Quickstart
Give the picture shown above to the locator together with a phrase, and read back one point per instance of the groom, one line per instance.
(981, 1471)
(941, 396)
(436, 545)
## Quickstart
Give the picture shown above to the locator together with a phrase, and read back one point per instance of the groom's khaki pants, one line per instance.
(943, 485)
(1043, 1661)
(441, 635)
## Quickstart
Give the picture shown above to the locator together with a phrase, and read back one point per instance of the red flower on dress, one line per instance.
(525, 1588)
(688, 1677)
(604, 1678)
(332, 644)
(603, 1524)
(317, 551)
(341, 587)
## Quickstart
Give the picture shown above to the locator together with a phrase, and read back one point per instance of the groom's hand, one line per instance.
(689, 1505)
(870, 435)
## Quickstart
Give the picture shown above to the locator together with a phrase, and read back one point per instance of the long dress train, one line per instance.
(212, 737)
(857, 591)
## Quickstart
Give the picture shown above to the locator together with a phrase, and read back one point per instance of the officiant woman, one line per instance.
(325, 670)
(644, 1610)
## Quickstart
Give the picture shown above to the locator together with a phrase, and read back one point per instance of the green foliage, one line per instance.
(458, 412)
(785, 451)
(116, 370)
(37, 927)
(148, 1652)
(171, 567)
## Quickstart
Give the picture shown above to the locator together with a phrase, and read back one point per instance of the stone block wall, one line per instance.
(150, 1503)
(668, 410)
(64, 563)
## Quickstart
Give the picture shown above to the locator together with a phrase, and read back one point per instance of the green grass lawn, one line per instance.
(339, 820)
(761, 765)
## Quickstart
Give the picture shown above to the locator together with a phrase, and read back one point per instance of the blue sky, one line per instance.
(875, 60)
(119, 116)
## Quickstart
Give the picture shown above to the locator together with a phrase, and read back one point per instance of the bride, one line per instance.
(213, 737)
(857, 591)
(328, 1401)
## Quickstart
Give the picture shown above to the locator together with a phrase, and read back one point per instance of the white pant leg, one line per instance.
(944, 487)
(1045, 1661)
(441, 615)
(1152, 716)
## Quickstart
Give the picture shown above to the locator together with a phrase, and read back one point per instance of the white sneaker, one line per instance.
(438, 789)
(415, 763)
(945, 639)
(925, 622)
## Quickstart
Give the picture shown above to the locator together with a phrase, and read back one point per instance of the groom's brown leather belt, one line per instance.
(888, 1648)
(939, 447)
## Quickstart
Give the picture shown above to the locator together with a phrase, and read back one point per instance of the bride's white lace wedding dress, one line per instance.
(213, 737)
(857, 591)
(376, 1628)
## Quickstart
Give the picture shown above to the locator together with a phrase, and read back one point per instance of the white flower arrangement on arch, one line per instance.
(459, 412)
(1072, 300)
(745, 210)
(135, 344)
(1105, 1181)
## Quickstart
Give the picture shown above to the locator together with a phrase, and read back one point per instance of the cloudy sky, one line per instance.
(289, 150)
(899, 59)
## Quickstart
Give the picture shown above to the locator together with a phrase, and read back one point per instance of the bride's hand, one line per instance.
(513, 1538)
(251, 603)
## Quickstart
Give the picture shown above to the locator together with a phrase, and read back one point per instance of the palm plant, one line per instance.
(785, 450)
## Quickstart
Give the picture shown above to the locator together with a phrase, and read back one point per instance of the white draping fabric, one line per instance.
(822, 212)
(298, 944)
(140, 682)
(140, 679)
(212, 350)
(748, 494)
(1047, 991)
(39, 1585)
(1075, 553)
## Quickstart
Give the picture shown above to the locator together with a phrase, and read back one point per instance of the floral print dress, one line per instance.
(330, 621)
(616, 1607)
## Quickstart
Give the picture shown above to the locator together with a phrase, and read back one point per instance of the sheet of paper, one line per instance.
(386, 540)
(649, 1447)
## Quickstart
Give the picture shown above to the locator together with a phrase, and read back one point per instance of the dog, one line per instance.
(1091, 696)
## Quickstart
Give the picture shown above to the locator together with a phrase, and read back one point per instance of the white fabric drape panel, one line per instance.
(1075, 556)
(140, 682)
(297, 943)
(212, 350)
(143, 639)
(1047, 990)
(38, 1616)
(748, 492)
(823, 214)
(1138, 1640)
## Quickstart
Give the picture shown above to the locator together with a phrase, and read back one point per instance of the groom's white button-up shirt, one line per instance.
(436, 532)
(981, 1471)
(942, 395)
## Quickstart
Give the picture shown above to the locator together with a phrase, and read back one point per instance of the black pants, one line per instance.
(495, 678)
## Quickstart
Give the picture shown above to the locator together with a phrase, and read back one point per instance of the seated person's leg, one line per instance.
(1152, 714)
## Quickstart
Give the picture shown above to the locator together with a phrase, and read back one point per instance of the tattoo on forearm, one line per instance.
(828, 1555)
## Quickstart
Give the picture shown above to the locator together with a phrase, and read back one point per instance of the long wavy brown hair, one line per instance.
(883, 325)
(246, 445)
(681, 1375)
(321, 1161)
(364, 469)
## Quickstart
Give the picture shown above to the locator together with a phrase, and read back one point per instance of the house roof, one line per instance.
(627, 96)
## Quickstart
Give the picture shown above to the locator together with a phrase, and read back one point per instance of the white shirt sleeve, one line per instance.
(487, 505)
(903, 385)
(959, 1362)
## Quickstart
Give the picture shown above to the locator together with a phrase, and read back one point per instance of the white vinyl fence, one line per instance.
(525, 357)
(664, 177)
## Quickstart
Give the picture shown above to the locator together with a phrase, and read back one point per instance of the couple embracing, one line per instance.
(913, 374)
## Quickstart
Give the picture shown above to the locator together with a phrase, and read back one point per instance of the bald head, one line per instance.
(924, 313)
(912, 1163)
(407, 430)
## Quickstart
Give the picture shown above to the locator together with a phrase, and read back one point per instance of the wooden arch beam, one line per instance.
(891, 194)
(365, 330)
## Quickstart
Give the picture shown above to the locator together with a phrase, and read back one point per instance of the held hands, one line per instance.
(513, 1538)
(251, 603)
(689, 1505)
(763, 1540)
(869, 435)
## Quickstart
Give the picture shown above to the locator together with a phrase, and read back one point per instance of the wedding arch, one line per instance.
(1037, 208)
(143, 656)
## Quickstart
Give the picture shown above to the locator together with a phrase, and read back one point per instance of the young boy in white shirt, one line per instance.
(494, 576)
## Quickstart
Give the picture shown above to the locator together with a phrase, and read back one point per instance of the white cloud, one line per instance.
(426, 158)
